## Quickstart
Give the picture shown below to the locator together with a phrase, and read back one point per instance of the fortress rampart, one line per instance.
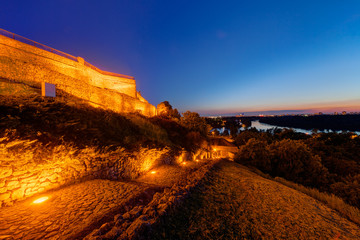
(32, 65)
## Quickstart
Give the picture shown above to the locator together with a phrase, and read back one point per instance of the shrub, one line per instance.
(294, 161)
(348, 190)
(256, 153)
(244, 136)
(194, 122)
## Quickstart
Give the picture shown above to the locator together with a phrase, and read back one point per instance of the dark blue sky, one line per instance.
(210, 56)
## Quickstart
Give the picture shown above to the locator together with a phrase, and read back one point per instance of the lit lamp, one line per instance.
(40, 200)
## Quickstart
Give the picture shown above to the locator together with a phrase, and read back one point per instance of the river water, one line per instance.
(264, 126)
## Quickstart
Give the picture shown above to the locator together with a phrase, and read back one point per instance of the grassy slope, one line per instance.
(65, 119)
(238, 204)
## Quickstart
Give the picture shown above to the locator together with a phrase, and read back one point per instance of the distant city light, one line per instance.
(40, 200)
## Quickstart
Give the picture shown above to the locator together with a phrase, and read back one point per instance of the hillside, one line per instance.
(126, 176)
(47, 143)
(235, 203)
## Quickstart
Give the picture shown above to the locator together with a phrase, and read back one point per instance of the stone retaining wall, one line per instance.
(26, 170)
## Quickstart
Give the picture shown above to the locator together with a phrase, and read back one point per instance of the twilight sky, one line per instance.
(213, 57)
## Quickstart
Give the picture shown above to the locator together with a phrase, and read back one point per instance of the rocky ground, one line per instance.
(74, 211)
(199, 200)
(236, 203)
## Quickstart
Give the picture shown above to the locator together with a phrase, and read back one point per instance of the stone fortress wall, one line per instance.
(22, 175)
(32, 65)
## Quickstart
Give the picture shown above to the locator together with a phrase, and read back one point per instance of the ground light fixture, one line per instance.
(40, 200)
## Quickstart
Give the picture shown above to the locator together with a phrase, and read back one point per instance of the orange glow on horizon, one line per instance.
(352, 105)
(40, 200)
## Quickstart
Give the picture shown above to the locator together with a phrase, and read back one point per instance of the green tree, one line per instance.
(255, 152)
(194, 122)
(293, 160)
(164, 109)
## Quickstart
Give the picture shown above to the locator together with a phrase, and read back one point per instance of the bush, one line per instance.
(326, 161)
(348, 190)
(294, 161)
(243, 137)
(193, 122)
(256, 153)
(60, 120)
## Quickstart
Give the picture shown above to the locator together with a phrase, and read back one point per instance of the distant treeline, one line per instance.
(320, 122)
(329, 162)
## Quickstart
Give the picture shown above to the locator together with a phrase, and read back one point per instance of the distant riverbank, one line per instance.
(264, 126)
(323, 123)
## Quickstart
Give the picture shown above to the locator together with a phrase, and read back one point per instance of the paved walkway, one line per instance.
(67, 212)
(74, 211)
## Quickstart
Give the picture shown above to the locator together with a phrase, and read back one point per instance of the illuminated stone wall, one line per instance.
(31, 65)
(25, 169)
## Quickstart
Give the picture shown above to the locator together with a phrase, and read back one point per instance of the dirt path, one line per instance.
(238, 204)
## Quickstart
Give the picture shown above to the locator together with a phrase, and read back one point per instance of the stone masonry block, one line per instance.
(5, 172)
(18, 193)
(4, 196)
(20, 173)
(12, 184)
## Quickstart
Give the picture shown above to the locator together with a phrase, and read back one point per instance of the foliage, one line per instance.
(349, 122)
(194, 122)
(326, 161)
(294, 161)
(349, 189)
(166, 110)
(256, 153)
(66, 119)
(180, 136)
(243, 137)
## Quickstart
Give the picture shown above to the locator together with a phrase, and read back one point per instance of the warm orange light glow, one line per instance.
(153, 172)
(183, 163)
(215, 149)
(40, 200)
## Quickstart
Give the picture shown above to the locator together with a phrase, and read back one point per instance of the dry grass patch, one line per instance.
(350, 212)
